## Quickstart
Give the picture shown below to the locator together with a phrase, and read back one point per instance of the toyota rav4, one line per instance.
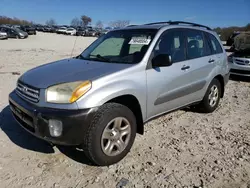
(100, 99)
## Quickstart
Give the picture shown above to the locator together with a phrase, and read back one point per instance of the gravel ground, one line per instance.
(181, 149)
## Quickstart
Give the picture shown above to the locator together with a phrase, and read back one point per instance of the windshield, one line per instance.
(122, 46)
(18, 30)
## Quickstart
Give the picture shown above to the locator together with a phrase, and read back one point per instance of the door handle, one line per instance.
(185, 67)
(211, 61)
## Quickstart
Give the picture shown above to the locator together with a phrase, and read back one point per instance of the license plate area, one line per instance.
(22, 116)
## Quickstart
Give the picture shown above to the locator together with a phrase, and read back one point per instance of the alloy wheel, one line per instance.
(116, 136)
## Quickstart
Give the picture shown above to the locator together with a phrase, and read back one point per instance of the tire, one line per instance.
(95, 142)
(206, 105)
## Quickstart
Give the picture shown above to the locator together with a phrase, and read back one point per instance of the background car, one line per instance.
(47, 29)
(40, 28)
(90, 32)
(239, 60)
(14, 32)
(3, 35)
(230, 40)
(61, 30)
(80, 32)
(28, 29)
(103, 32)
(70, 31)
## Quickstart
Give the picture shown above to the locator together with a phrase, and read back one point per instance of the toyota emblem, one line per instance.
(25, 89)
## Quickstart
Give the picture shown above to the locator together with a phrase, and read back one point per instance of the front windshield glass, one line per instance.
(122, 46)
(18, 30)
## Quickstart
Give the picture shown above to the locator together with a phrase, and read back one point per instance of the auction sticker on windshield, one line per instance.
(140, 40)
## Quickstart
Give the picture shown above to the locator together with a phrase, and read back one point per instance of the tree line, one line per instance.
(13, 21)
(226, 32)
(84, 21)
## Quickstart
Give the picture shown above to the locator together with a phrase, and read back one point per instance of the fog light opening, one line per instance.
(55, 128)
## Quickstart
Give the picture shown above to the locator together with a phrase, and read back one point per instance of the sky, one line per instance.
(213, 13)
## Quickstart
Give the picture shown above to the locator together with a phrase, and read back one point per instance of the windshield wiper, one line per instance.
(98, 56)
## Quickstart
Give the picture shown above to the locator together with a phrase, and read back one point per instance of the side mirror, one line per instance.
(162, 60)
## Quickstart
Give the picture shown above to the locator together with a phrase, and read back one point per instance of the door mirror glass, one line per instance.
(162, 60)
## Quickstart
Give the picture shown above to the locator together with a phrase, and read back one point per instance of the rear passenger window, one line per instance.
(196, 46)
(215, 45)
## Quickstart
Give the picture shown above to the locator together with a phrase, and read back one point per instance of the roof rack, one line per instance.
(180, 22)
(131, 25)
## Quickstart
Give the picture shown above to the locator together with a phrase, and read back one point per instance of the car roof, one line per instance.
(7, 27)
(166, 25)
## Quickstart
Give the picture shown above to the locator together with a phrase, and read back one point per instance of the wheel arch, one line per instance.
(221, 80)
(133, 104)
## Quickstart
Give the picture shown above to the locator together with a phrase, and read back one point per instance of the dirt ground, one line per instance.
(181, 149)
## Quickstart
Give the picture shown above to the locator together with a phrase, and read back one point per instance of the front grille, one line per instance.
(27, 92)
(239, 71)
(242, 62)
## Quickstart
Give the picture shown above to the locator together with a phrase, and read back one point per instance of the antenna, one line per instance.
(73, 47)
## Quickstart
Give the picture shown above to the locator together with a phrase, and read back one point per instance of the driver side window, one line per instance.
(172, 43)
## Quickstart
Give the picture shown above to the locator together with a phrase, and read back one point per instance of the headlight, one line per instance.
(67, 92)
(21, 34)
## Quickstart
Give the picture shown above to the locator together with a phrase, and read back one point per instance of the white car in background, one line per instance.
(70, 31)
(3, 35)
(61, 30)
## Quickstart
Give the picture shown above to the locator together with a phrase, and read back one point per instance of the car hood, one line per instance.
(69, 70)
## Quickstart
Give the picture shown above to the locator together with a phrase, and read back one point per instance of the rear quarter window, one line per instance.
(214, 43)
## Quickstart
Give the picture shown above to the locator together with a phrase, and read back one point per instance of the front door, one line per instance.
(168, 87)
(12, 33)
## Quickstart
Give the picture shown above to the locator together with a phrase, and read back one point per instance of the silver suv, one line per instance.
(100, 99)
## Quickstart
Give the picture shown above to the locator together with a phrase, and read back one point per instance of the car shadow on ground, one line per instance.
(240, 78)
(195, 108)
(27, 141)
(19, 136)
(75, 154)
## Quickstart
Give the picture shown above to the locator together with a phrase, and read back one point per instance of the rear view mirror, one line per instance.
(162, 60)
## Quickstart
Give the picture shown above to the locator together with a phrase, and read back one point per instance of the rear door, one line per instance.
(200, 60)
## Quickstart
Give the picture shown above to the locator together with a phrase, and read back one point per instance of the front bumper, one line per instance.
(24, 37)
(31, 32)
(35, 120)
(241, 70)
(3, 36)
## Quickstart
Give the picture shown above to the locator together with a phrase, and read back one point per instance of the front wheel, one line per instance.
(212, 97)
(110, 135)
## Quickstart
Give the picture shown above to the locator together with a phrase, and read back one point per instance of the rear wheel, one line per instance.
(212, 97)
(110, 135)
